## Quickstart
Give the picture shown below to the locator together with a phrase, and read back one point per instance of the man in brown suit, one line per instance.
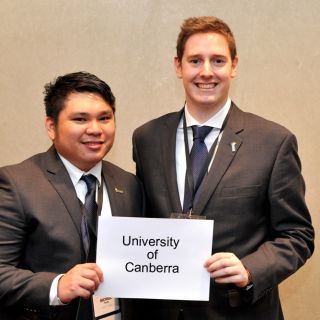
(45, 271)
(251, 184)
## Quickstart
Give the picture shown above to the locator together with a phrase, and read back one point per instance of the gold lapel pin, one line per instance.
(118, 190)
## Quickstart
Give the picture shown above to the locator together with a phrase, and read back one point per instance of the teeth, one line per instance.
(206, 85)
(92, 142)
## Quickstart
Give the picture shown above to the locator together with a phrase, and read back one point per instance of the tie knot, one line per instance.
(200, 132)
(90, 181)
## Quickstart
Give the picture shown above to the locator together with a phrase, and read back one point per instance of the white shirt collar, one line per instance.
(75, 173)
(215, 121)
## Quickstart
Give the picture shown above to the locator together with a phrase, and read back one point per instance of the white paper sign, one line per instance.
(154, 258)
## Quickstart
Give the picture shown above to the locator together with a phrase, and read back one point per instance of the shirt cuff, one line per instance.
(53, 296)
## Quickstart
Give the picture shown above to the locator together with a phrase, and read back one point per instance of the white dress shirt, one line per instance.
(216, 122)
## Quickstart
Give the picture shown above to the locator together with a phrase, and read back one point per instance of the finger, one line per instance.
(226, 272)
(90, 279)
(72, 286)
(222, 264)
(84, 293)
(81, 276)
(89, 284)
(94, 267)
(99, 272)
(217, 257)
(235, 274)
(230, 279)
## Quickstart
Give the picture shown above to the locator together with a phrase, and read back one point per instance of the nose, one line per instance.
(207, 69)
(94, 127)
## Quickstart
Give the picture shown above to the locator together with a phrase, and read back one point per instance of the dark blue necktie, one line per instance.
(199, 153)
(89, 239)
(89, 218)
(198, 157)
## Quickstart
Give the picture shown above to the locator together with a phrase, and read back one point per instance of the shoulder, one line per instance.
(27, 168)
(253, 124)
(22, 180)
(118, 177)
(117, 172)
(159, 122)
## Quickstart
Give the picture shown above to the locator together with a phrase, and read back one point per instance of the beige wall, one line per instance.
(131, 43)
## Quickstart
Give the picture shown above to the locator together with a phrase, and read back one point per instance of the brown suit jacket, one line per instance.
(255, 195)
(40, 237)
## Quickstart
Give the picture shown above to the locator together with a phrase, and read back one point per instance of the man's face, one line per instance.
(206, 70)
(85, 129)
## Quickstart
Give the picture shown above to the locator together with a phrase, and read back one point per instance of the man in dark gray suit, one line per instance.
(46, 269)
(250, 184)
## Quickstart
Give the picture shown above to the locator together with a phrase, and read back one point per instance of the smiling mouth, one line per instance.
(206, 85)
(92, 143)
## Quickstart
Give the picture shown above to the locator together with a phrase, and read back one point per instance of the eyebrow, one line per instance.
(193, 56)
(82, 113)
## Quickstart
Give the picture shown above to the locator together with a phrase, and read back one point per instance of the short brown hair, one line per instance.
(195, 25)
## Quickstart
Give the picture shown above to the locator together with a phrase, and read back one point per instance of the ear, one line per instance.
(51, 128)
(177, 65)
(234, 66)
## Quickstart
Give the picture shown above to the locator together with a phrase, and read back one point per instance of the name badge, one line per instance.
(106, 308)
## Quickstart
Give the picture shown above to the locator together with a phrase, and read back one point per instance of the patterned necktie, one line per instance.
(198, 156)
(89, 218)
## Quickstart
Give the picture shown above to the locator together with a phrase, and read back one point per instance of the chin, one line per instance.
(207, 102)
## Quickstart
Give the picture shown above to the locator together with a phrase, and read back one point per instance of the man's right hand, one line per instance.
(80, 281)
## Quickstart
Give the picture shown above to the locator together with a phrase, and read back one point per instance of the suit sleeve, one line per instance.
(290, 242)
(19, 287)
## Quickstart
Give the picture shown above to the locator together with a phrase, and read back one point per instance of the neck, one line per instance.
(203, 113)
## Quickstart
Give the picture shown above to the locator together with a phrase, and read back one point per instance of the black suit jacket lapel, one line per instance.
(61, 182)
(113, 190)
(223, 159)
(116, 190)
(168, 154)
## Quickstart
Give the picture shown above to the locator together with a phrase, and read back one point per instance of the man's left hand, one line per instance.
(226, 267)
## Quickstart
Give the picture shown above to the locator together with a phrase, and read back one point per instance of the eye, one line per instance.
(79, 119)
(195, 61)
(106, 117)
(219, 61)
